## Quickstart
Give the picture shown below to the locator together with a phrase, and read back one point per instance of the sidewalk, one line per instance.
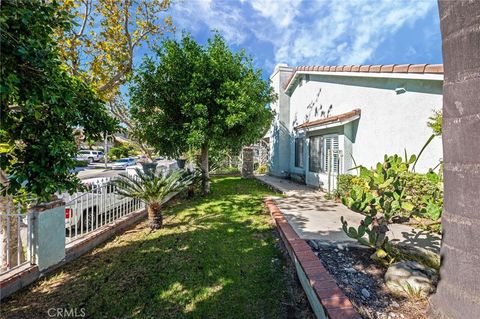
(315, 218)
(288, 187)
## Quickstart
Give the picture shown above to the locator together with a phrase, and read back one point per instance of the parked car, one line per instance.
(98, 205)
(90, 156)
(123, 163)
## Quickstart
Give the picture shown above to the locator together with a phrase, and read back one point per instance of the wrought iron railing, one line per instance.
(15, 235)
(100, 205)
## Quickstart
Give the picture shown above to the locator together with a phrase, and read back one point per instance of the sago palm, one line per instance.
(152, 188)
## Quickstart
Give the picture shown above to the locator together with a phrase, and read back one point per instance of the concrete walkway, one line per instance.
(315, 218)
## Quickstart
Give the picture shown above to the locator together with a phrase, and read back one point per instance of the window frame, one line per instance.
(321, 161)
(299, 147)
(319, 151)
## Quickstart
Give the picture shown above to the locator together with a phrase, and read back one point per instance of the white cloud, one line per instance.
(196, 14)
(346, 32)
(280, 12)
(308, 31)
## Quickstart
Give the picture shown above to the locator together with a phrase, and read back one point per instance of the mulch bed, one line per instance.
(361, 279)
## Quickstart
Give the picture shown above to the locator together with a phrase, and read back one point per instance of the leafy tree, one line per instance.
(200, 97)
(121, 111)
(41, 104)
(102, 46)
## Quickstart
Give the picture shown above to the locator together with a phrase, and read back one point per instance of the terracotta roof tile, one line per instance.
(401, 68)
(416, 68)
(364, 68)
(387, 68)
(434, 68)
(330, 119)
(355, 68)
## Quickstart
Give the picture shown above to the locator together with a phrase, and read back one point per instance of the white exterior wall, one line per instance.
(388, 124)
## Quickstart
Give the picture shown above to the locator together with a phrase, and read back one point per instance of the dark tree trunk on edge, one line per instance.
(204, 166)
(155, 218)
(458, 293)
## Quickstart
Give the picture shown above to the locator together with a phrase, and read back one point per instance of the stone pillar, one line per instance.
(48, 234)
(247, 162)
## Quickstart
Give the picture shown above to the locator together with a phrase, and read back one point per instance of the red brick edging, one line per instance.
(319, 281)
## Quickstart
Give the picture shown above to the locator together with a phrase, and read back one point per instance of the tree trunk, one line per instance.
(155, 218)
(204, 166)
(458, 292)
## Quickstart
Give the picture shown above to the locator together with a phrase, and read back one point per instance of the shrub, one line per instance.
(426, 194)
(422, 193)
(120, 151)
(81, 163)
(262, 169)
(435, 122)
(386, 191)
(345, 183)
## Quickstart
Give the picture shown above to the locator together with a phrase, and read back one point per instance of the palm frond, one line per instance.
(151, 186)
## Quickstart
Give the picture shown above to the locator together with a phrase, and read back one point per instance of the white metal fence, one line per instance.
(100, 205)
(15, 235)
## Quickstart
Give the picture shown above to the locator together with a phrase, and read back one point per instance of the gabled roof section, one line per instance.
(381, 68)
(331, 119)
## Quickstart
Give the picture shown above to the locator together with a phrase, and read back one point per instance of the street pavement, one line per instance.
(97, 172)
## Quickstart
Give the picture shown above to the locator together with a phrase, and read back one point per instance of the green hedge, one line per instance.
(81, 163)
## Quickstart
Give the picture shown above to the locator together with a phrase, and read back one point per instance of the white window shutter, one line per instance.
(331, 143)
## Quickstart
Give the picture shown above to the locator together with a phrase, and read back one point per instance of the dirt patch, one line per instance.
(361, 279)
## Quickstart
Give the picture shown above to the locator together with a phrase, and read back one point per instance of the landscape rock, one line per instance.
(410, 277)
(365, 293)
(350, 270)
(314, 244)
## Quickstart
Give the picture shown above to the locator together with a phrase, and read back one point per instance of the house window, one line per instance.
(331, 154)
(324, 154)
(299, 152)
(315, 154)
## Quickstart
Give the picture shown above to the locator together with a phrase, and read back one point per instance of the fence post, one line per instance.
(247, 162)
(48, 234)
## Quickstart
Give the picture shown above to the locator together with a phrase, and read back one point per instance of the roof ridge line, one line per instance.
(369, 68)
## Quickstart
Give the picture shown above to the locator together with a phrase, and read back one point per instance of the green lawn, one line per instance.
(217, 257)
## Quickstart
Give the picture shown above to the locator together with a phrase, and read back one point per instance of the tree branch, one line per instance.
(88, 4)
(117, 78)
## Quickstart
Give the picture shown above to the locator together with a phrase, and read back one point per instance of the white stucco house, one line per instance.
(328, 118)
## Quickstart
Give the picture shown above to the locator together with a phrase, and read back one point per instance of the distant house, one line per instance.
(328, 118)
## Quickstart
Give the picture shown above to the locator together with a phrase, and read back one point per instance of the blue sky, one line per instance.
(318, 32)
